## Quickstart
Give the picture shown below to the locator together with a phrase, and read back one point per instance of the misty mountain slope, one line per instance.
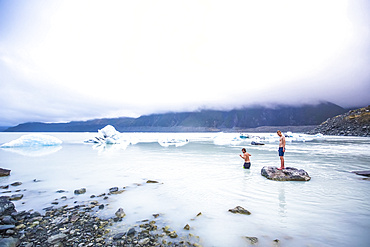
(204, 120)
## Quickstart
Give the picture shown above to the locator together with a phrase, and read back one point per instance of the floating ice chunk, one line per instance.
(32, 140)
(301, 137)
(226, 139)
(174, 142)
(109, 135)
(108, 131)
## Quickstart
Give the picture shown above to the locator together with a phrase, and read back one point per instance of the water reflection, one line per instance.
(103, 148)
(34, 151)
(282, 201)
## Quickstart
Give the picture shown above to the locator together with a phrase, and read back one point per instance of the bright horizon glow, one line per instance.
(82, 59)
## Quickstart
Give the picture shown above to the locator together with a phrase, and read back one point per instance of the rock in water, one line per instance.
(287, 174)
(239, 210)
(4, 172)
(120, 213)
(80, 191)
(362, 173)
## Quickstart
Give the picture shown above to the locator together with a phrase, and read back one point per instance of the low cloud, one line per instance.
(79, 60)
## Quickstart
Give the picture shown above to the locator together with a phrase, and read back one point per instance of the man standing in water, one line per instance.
(245, 157)
(281, 148)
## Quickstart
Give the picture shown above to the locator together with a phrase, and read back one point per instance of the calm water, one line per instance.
(333, 209)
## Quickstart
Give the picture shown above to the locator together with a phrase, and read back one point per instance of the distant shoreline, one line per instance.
(261, 129)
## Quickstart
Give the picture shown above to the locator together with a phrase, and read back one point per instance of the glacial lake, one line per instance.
(204, 176)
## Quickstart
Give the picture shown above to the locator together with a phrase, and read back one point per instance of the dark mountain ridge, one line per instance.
(204, 120)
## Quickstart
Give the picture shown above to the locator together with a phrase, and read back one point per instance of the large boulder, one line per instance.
(287, 174)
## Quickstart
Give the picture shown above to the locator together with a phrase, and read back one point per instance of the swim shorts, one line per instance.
(247, 165)
(281, 153)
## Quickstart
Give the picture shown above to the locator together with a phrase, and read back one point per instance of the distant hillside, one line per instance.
(353, 123)
(205, 120)
(2, 128)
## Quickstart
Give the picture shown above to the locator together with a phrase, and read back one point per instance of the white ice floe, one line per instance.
(227, 139)
(109, 135)
(261, 138)
(302, 137)
(174, 142)
(33, 140)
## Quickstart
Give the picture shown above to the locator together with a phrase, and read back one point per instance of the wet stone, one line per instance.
(16, 183)
(239, 210)
(114, 189)
(4, 172)
(118, 236)
(6, 227)
(80, 191)
(152, 182)
(252, 240)
(131, 231)
(16, 197)
(120, 213)
(56, 238)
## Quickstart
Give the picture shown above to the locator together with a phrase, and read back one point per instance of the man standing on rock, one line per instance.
(245, 157)
(281, 148)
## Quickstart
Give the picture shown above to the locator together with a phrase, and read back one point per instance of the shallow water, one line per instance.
(332, 209)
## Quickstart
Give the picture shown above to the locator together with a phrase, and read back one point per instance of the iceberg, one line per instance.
(33, 140)
(109, 135)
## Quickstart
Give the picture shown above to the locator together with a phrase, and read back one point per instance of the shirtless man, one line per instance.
(281, 148)
(245, 157)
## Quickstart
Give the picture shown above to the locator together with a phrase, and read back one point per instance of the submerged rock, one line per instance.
(252, 240)
(16, 184)
(80, 191)
(287, 174)
(152, 182)
(120, 213)
(16, 197)
(114, 189)
(362, 173)
(239, 210)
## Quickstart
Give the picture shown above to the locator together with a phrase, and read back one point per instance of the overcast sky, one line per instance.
(82, 59)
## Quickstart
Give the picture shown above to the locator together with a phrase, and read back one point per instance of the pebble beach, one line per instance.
(79, 224)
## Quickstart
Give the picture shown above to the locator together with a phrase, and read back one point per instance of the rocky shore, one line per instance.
(70, 221)
(353, 123)
(82, 223)
(79, 224)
